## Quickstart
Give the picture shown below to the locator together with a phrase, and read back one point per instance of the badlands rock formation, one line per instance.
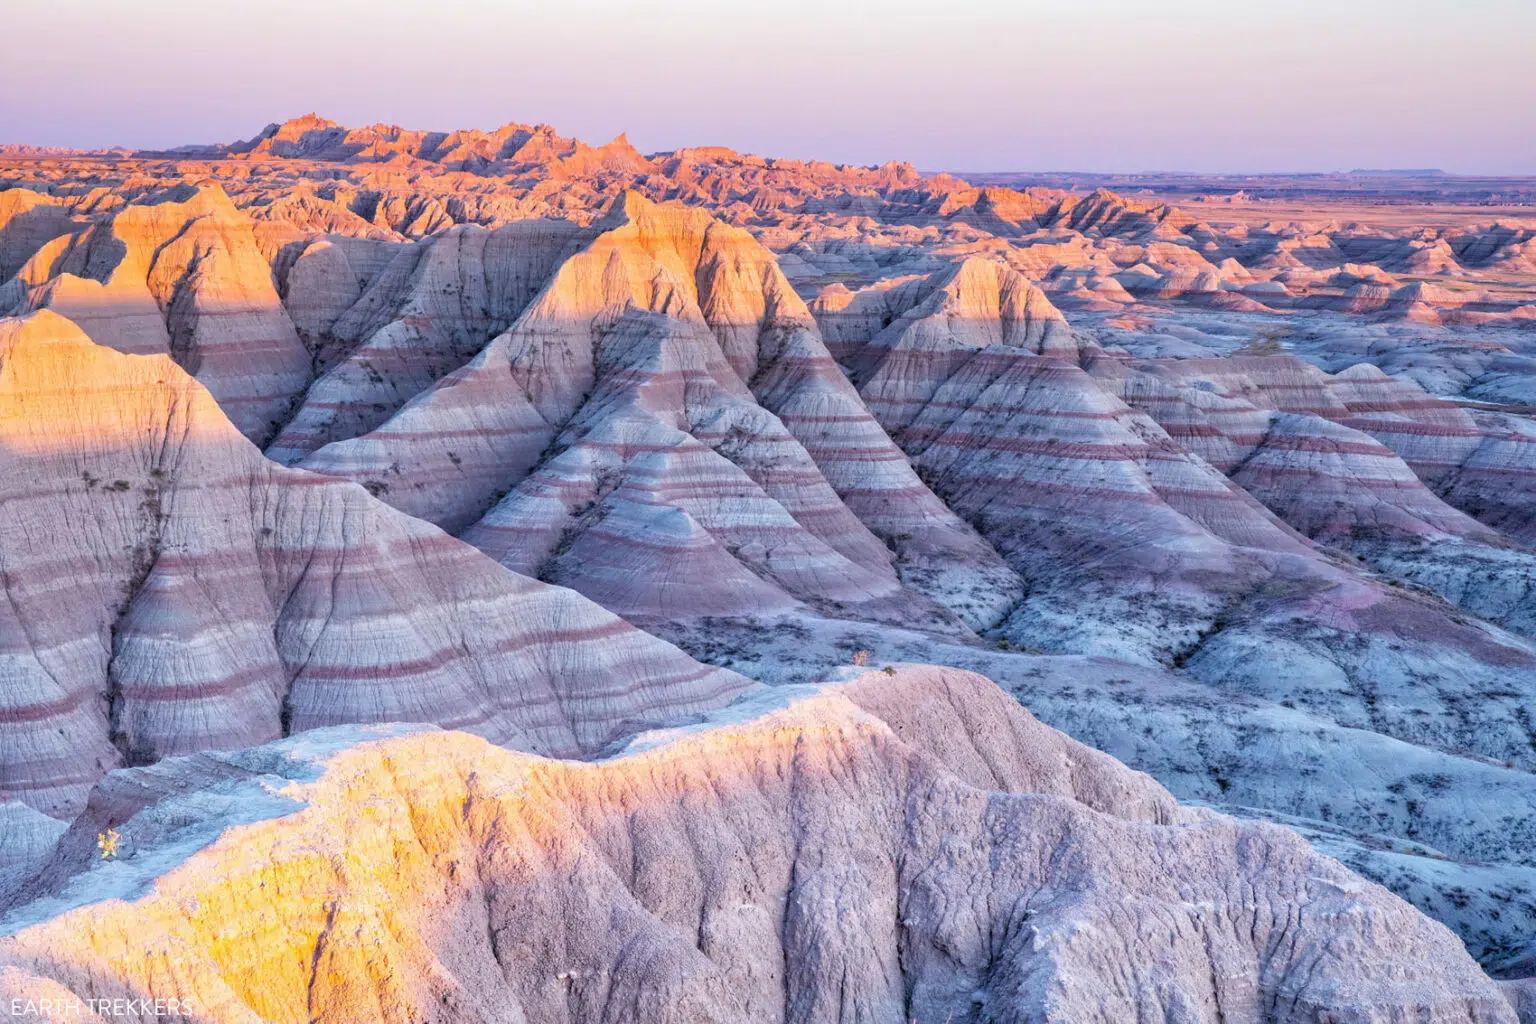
(1315, 450)
(387, 321)
(617, 418)
(1237, 490)
(907, 847)
(184, 278)
(170, 591)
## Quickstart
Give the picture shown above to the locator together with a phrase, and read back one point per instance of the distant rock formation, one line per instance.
(182, 276)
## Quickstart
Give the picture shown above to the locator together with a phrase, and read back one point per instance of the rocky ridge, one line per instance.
(902, 847)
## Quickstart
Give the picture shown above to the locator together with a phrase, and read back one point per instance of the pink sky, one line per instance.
(964, 85)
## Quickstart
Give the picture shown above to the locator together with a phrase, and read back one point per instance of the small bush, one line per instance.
(861, 658)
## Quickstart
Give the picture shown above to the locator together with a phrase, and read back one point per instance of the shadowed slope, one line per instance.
(424, 314)
(1302, 442)
(170, 590)
(1134, 548)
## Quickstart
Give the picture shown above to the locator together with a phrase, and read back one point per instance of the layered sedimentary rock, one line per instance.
(180, 275)
(1305, 444)
(1262, 437)
(667, 395)
(170, 590)
(507, 148)
(1449, 832)
(28, 221)
(907, 847)
(1285, 432)
(1479, 461)
(423, 314)
(1136, 549)
(1099, 249)
(976, 304)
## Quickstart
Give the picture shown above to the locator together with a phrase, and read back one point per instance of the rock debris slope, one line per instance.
(169, 590)
(899, 848)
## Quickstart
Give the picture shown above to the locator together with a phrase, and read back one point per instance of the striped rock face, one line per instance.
(1289, 435)
(183, 278)
(1133, 547)
(1482, 462)
(402, 326)
(1318, 450)
(170, 590)
(666, 401)
(914, 847)
(1477, 462)
(1270, 567)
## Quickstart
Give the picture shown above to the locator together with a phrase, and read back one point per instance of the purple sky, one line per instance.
(965, 85)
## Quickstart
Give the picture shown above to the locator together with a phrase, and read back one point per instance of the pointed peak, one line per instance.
(633, 207)
(975, 261)
(203, 196)
(627, 206)
(1362, 371)
(980, 267)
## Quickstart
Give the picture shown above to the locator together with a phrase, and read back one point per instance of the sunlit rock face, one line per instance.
(907, 846)
(169, 590)
(182, 275)
(28, 221)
